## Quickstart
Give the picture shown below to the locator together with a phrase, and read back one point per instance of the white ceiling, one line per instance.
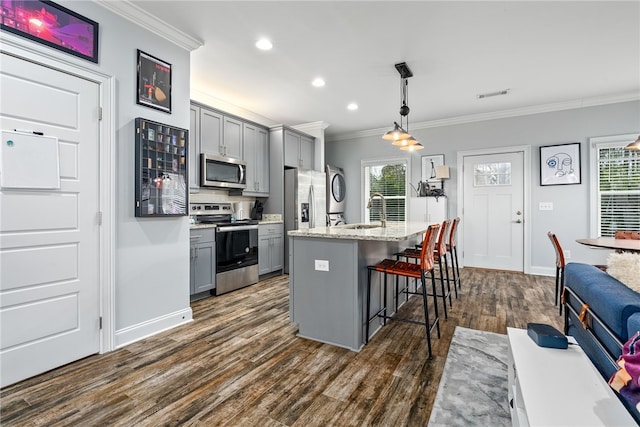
(560, 53)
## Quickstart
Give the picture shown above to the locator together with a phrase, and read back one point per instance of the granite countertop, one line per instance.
(394, 231)
(270, 221)
(197, 226)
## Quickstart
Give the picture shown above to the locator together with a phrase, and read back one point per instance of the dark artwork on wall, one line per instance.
(53, 25)
(154, 82)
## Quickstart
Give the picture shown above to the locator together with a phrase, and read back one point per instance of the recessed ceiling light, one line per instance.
(318, 82)
(352, 107)
(264, 44)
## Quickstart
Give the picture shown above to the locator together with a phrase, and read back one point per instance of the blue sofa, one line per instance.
(611, 314)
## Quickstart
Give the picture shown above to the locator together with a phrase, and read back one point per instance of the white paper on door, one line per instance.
(29, 161)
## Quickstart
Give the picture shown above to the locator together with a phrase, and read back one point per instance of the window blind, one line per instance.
(618, 190)
(390, 181)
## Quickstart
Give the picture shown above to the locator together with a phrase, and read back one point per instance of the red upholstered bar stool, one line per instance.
(439, 254)
(413, 271)
(560, 263)
(452, 248)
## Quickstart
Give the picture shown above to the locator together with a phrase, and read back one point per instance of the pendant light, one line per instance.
(398, 135)
(635, 145)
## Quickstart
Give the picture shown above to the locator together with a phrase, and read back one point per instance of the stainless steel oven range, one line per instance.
(236, 246)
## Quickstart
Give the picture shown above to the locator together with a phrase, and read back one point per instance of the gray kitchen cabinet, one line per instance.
(270, 248)
(211, 124)
(232, 138)
(256, 154)
(202, 273)
(306, 152)
(194, 148)
(298, 150)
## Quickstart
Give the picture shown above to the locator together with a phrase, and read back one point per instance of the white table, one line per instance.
(555, 387)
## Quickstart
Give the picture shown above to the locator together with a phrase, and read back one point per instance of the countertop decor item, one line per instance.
(154, 82)
(53, 25)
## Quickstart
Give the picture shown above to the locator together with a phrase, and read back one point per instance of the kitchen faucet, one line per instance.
(383, 215)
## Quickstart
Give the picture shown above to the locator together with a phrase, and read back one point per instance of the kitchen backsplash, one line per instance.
(272, 217)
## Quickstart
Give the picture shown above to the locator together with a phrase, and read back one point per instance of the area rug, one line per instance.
(473, 387)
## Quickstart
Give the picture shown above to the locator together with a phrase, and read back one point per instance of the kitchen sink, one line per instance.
(360, 226)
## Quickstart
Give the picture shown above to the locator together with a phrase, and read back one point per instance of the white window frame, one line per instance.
(594, 194)
(364, 213)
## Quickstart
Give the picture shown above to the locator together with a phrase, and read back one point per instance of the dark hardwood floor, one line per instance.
(239, 363)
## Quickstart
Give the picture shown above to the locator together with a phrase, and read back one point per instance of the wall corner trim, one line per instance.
(133, 13)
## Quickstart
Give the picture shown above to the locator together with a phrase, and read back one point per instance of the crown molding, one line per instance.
(525, 111)
(133, 13)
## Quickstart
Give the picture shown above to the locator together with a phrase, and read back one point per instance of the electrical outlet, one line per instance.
(567, 253)
(545, 206)
(322, 265)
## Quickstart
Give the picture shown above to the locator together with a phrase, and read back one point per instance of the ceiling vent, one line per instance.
(490, 94)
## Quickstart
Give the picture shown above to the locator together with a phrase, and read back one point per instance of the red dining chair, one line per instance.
(413, 271)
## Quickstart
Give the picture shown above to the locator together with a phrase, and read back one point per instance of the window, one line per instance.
(491, 174)
(615, 185)
(388, 178)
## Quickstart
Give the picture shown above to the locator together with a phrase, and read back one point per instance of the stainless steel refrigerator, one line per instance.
(304, 203)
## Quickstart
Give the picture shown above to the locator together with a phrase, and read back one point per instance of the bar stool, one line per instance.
(452, 248)
(560, 263)
(439, 254)
(409, 270)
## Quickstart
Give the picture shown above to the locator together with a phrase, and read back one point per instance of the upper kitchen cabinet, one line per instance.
(298, 149)
(231, 138)
(194, 151)
(211, 124)
(220, 134)
(256, 154)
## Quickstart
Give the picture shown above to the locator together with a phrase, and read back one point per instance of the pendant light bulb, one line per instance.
(635, 145)
(415, 147)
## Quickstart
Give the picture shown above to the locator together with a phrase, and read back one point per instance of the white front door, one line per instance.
(493, 219)
(49, 239)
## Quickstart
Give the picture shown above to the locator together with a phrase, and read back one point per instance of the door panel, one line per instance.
(493, 205)
(49, 239)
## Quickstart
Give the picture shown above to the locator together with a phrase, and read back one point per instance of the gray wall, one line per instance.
(570, 217)
(152, 254)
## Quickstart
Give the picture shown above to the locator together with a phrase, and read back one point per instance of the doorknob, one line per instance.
(518, 213)
(518, 221)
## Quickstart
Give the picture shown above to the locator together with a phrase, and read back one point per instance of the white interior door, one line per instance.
(493, 216)
(49, 239)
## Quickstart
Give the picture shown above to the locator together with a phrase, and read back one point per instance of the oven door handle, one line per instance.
(236, 228)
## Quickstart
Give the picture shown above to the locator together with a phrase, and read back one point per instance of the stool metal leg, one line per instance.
(427, 324)
(366, 334)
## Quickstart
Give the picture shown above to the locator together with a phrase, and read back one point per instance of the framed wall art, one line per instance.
(429, 164)
(560, 164)
(154, 82)
(53, 25)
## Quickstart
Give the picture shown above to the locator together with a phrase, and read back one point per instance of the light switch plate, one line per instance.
(545, 206)
(322, 265)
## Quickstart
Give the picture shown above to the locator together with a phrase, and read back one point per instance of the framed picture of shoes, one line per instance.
(154, 82)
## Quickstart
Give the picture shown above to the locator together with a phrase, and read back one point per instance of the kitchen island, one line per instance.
(328, 278)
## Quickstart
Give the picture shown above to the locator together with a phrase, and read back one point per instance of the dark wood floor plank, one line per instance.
(240, 363)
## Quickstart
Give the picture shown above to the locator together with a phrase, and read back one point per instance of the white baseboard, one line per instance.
(151, 327)
(543, 271)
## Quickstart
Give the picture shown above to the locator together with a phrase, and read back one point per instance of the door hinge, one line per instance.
(100, 113)
(100, 218)
(100, 323)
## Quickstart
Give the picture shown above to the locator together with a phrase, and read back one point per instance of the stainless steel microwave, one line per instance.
(222, 172)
